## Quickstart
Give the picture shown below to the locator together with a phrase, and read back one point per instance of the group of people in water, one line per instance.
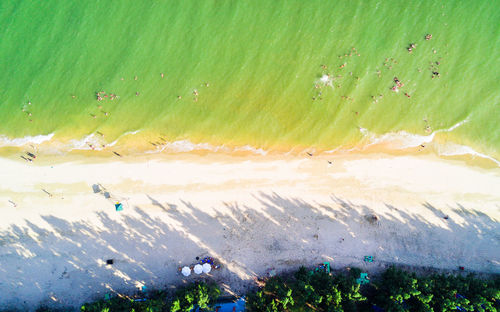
(101, 95)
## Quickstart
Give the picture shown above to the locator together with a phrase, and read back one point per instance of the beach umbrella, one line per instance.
(198, 269)
(206, 267)
(186, 271)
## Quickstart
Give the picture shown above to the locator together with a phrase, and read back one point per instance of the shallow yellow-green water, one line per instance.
(254, 66)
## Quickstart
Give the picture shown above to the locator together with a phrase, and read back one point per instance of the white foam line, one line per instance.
(183, 146)
(248, 148)
(38, 139)
(403, 139)
(84, 144)
(452, 149)
(458, 124)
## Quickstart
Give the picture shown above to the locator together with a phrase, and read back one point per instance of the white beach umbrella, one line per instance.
(186, 271)
(198, 269)
(206, 267)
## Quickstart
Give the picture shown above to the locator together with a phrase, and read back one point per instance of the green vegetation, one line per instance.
(393, 291)
(401, 291)
(200, 295)
(307, 291)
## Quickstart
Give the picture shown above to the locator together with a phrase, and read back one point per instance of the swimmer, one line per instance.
(179, 97)
(428, 37)
(161, 75)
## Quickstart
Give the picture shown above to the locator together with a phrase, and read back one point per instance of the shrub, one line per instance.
(307, 291)
(197, 294)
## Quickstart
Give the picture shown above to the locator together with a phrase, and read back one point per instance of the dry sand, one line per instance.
(252, 213)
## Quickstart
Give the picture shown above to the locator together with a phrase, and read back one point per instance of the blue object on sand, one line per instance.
(238, 306)
(119, 207)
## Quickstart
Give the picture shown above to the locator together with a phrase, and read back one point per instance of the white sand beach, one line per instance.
(57, 228)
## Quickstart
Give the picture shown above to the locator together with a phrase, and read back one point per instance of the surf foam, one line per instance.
(453, 149)
(403, 139)
(37, 139)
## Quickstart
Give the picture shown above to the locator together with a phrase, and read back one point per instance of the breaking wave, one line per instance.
(37, 139)
(404, 140)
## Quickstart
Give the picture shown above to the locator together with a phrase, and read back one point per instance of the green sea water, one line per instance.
(256, 67)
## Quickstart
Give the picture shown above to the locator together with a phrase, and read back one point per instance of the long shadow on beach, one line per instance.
(64, 263)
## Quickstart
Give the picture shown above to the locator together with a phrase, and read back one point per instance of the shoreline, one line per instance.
(251, 213)
(59, 151)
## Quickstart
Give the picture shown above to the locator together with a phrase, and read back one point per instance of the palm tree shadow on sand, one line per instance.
(64, 263)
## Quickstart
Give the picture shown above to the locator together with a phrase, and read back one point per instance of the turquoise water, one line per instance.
(254, 66)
